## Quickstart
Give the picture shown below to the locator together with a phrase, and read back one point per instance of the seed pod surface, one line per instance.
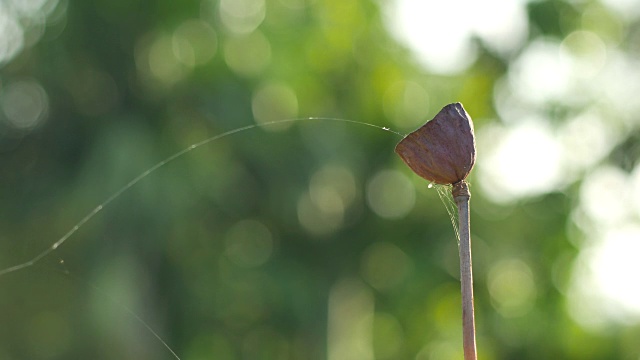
(443, 150)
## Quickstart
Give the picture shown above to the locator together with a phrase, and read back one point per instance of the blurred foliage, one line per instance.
(298, 240)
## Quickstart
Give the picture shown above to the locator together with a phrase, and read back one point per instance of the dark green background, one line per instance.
(161, 250)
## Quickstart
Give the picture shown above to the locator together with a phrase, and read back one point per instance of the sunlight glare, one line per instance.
(616, 268)
(586, 53)
(635, 195)
(541, 74)
(12, 39)
(441, 32)
(600, 196)
(522, 160)
(586, 139)
(627, 8)
(22, 24)
(605, 286)
(618, 85)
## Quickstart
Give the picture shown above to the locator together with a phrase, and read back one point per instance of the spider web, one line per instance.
(95, 211)
(444, 192)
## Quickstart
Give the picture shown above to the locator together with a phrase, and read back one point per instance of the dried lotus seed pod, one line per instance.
(443, 150)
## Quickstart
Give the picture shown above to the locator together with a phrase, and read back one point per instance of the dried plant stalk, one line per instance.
(461, 196)
(443, 151)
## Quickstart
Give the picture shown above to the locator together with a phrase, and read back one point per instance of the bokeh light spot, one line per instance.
(333, 178)
(249, 243)
(616, 266)
(541, 74)
(331, 190)
(600, 195)
(272, 102)
(350, 317)
(242, 16)
(617, 86)
(388, 336)
(440, 350)
(247, 55)
(156, 61)
(384, 265)
(314, 220)
(194, 43)
(587, 53)
(521, 160)
(512, 288)
(442, 43)
(635, 193)
(502, 25)
(604, 285)
(22, 24)
(586, 139)
(626, 8)
(406, 104)
(603, 22)
(25, 104)
(12, 39)
(390, 194)
(32, 7)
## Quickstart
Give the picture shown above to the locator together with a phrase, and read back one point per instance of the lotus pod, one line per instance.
(443, 150)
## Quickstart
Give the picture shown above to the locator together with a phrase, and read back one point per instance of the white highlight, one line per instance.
(440, 32)
(524, 160)
(605, 285)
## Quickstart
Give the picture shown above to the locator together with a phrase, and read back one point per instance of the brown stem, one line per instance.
(461, 196)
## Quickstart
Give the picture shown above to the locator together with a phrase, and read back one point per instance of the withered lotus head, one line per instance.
(443, 150)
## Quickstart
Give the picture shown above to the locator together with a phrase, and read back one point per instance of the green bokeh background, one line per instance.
(210, 250)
